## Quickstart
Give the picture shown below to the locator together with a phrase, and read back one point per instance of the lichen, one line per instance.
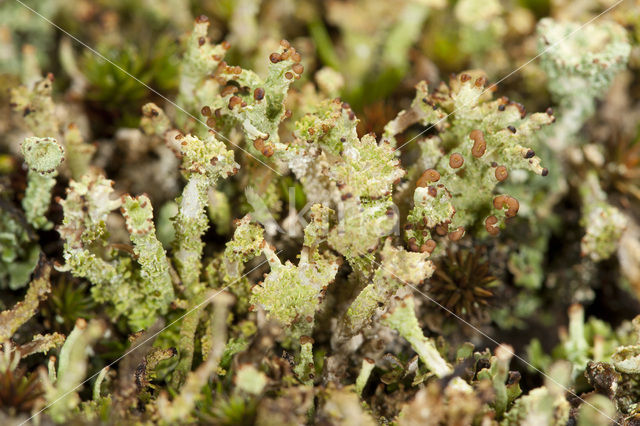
(43, 156)
(12, 319)
(284, 213)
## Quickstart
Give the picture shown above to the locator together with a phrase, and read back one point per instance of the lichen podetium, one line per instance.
(289, 212)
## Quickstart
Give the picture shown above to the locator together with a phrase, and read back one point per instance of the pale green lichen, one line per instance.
(182, 405)
(327, 149)
(292, 294)
(154, 265)
(203, 163)
(498, 373)
(305, 367)
(228, 268)
(480, 140)
(250, 380)
(260, 106)
(576, 345)
(585, 342)
(626, 359)
(367, 169)
(354, 174)
(19, 252)
(365, 372)
(222, 272)
(482, 29)
(186, 343)
(604, 223)
(586, 61)
(154, 121)
(402, 318)
(246, 244)
(72, 367)
(98, 383)
(454, 184)
(139, 294)
(538, 407)
(200, 60)
(79, 153)
(43, 156)
(89, 202)
(39, 288)
(41, 118)
(37, 107)
(543, 405)
(361, 226)
(580, 67)
(41, 344)
(398, 268)
(596, 410)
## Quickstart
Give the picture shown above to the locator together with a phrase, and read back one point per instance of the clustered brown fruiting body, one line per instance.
(461, 283)
(427, 177)
(479, 143)
(234, 101)
(206, 111)
(504, 102)
(289, 52)
(228, 90)
(490, 225)
(457, 233)
(238, 93)
(501, 173)
(429, 246)
(504, 200)
(298, 68)
(265, 148)
(306, 339)
(456, 160)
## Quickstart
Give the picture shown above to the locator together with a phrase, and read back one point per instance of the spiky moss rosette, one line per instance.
(462, 283)
(19, 392)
